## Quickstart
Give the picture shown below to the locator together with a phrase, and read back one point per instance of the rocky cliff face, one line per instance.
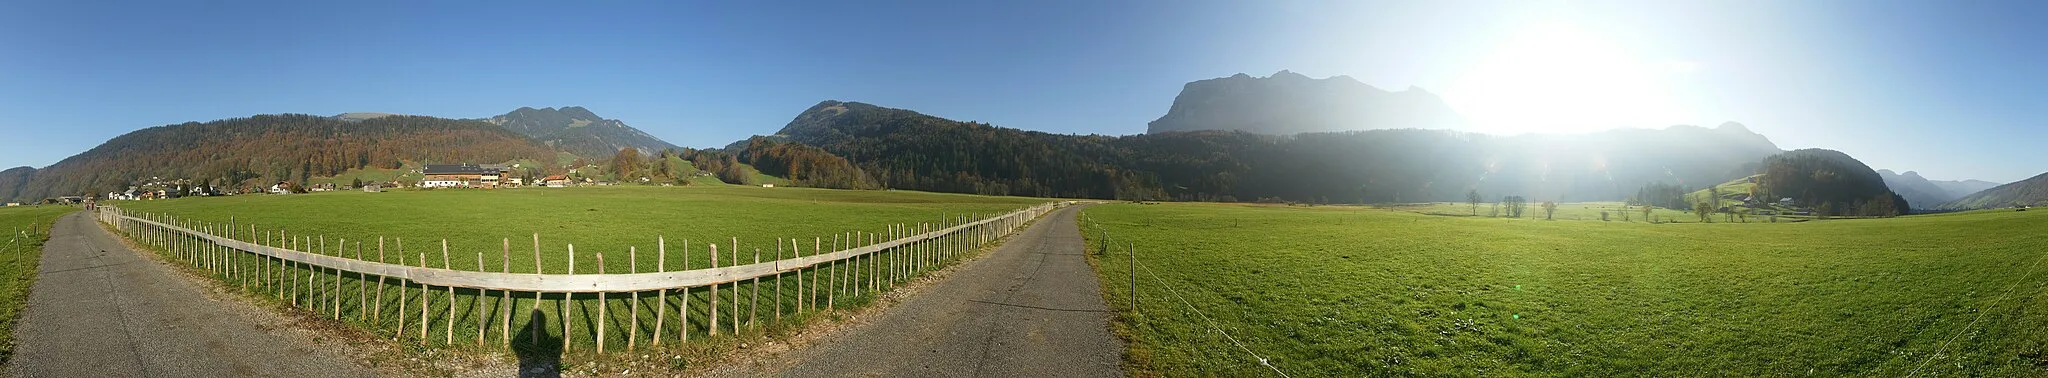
(1290, 103)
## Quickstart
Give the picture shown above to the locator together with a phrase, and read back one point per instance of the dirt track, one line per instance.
(1032, 308)
(99, 309)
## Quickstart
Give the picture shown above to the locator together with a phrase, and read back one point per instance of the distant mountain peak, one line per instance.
(1289, 103)
(577, 130)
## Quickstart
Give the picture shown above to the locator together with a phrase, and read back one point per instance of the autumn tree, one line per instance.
(625, 163)
(1549, 208)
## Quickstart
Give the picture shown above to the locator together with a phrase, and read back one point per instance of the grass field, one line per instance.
(1352, 291)
(1584, 211)
(608, 220)
(20, 253)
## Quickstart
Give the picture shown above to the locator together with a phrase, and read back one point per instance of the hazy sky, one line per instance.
(1949, 89)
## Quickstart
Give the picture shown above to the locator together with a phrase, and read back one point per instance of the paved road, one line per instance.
(99, 309)
(1032, 308)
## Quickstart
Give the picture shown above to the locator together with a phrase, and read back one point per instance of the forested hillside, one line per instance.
(243, 152)
(905, 149)
(1831, 182)
(2030, 192)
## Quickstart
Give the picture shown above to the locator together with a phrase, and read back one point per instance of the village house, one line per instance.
(556, 181)
(13, 204)
(461, 176)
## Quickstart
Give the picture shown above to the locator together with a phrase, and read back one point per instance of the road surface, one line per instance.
(99, 309)
(1032, 308)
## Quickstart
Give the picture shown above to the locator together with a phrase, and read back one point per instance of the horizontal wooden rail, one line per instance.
(572, 283)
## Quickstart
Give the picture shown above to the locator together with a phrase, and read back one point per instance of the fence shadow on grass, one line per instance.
(542, 358)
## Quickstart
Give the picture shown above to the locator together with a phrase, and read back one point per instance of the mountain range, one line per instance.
(1290, 103)
(910, 150)
(1930, 194)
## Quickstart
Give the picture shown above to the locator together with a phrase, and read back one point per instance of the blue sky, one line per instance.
(1951, 90)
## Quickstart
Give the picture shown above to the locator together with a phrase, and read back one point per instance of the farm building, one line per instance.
(460, 176)
(556, 181)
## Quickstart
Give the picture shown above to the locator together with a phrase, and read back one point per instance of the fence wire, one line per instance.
(1107, 243)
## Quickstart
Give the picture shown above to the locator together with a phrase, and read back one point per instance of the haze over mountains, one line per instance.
(1285, 137)
(1931, 194)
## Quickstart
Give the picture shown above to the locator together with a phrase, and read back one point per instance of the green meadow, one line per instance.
(21, 249)
(612, 221)
(1359, 291)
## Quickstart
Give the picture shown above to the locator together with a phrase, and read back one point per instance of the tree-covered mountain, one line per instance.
(1830, 182)
(244, 152)
(905, 149)
(577, 131)
(1289, 103)
(2030, 192)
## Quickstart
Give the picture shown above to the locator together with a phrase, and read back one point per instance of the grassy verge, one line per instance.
(20, 252)
(1347, 291)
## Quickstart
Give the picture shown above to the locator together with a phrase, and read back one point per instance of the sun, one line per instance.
(1558, 79)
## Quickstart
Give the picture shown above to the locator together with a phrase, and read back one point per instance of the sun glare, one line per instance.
(1561, 79)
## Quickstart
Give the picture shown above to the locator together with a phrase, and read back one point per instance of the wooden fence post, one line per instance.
(505, 303)
(377, 310)
(683, 317)
(336, 293)
(403, 287)
(362, 289)
(817, 248)
(795, 250)
(533, 324)
(424, 290)
(754, 303)
(713, 310)
(778, 281)
(633, 266)
(481, 293)
(601, 306)
(565, 301)
(661, 298)
(450, 339)
(734, 250)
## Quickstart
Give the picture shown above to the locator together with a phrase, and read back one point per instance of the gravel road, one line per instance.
(1032, 308)
(99, 309)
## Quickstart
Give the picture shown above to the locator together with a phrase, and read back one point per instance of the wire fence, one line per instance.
(1108, 253)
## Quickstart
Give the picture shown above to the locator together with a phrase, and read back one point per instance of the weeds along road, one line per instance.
(99, 309)
(1032, 308)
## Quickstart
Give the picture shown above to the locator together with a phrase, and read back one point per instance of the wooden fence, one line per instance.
(267, 263)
